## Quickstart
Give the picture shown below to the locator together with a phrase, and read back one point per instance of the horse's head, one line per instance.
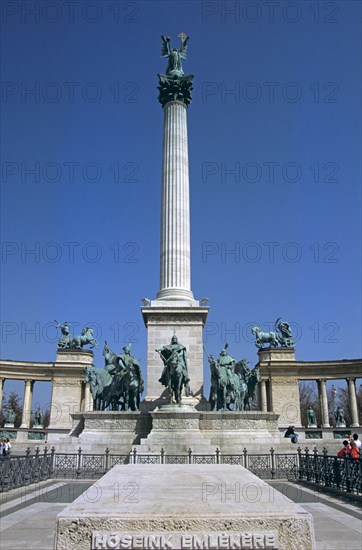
(255, 329)
(89, 374)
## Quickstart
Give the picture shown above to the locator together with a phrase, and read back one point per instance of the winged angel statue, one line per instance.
(174, 55)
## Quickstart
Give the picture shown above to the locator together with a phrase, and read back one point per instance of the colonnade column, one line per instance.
(28, 397)
(353, 401)
(2, 380)
(323, 401)
(263, 397)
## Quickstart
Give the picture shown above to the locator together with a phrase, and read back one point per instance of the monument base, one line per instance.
(175, 429)
(183, 507)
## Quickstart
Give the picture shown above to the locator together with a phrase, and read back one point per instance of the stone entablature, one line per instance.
(69, 390)
(280, 377)
(22, 370)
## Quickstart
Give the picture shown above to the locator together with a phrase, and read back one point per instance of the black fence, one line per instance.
(344, 474)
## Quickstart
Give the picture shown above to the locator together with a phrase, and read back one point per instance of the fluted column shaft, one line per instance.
(175, 283)
(28, 396)
(322, 390)
(353, 401)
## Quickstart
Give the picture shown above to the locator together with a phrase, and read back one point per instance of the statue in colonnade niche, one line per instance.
(311, 418)
(10, 416)
(38, 417)
(340, 418)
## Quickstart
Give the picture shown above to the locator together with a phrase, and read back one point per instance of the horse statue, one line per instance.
(243, 372)
(253, 381)
(264, 338)
(100, 381)
(225, 387)
(176, 378)
(85, 338)
(175, 375)
(132, 383)
(127, 382)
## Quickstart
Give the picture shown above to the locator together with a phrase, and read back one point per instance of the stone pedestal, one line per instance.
(119, 431)
(68, 388)
(278, 371)
(177, 506)
(175, 429)
(161, 320)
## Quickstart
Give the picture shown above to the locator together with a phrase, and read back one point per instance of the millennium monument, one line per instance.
(175, 314)
(112, 407)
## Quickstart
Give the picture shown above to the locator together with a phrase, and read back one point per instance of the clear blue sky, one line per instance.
(274, 147)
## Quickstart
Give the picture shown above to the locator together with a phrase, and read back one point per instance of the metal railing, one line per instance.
(344, 474)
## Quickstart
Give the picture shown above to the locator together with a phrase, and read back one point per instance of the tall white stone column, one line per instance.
(323, 401)
(353, 402)
(175, 283)
(28, 397)
(175, 311)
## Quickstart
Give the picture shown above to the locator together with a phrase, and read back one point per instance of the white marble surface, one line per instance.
(183, 499)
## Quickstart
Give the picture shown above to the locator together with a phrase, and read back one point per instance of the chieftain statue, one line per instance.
(282, 337)
(340, 418)
(175, 374)
(174, 85)
(38, 417)
(77, 342)
(119, 385)
(10, 416)
(233, 384)
(311, 418)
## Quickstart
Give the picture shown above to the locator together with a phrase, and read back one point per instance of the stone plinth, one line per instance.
(175, 429)
(232, 431)
(68, 388)
(119, 431)
(188, 322)
(279, 373)
(183, 506)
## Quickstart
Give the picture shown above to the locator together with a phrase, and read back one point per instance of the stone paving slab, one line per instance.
(335, 530)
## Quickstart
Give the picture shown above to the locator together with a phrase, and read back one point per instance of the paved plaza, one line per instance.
(28, 514)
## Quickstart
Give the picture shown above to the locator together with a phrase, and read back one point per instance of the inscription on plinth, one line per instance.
(185, 541)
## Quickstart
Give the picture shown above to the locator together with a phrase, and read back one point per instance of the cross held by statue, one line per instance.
(182, 36)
